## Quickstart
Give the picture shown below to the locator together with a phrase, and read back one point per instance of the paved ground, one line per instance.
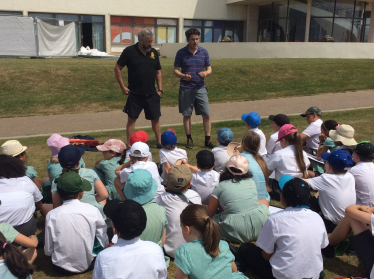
(115, 120)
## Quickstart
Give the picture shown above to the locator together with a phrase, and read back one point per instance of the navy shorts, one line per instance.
(150, 103)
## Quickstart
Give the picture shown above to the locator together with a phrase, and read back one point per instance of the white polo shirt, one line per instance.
(284, 162)
(220, 158)
(272, 145)
(363, 173)
(131, 259)
(295, 237)
(204, 182)
(336, 193)
(262, 149)
(313, 131)
(149, 166)
(18, 197)
(70, 231)
(174, 206)
(171, 156)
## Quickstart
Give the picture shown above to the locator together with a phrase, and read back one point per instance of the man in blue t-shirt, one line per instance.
(192, 65)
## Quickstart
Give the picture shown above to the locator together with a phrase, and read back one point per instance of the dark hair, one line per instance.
(227, 175)
(205, 159)
(251, 143)
(197, 216)
(123, 157)
(11, 167)
(20, 155)
(337, 171)
(363, 158)
(191, 31)
(226, 143)
(329, 125)
(15, 260)
(66, 195)
(295, 139)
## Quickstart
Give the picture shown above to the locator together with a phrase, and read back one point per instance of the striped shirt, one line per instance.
(192, 63)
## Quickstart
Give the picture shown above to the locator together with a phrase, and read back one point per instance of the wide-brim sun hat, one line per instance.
(345, 134)
(55, 142)
(232, 146)
(13, 148)
(140, 186)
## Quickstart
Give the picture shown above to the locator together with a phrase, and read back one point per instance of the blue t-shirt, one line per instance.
(192, 63)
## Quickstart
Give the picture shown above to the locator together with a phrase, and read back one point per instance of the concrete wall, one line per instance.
(280, 50)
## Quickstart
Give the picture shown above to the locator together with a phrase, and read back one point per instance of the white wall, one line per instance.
(279, 50)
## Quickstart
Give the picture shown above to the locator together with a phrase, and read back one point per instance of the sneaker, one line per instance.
(189, 144)
(209, 144)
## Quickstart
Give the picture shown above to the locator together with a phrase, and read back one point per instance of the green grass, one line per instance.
(57, 86)
(38, 155)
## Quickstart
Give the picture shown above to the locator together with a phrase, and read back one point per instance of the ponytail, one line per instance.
(123, 157)
(69, 169)
(295, 139)
(197, 216)
(14, 259)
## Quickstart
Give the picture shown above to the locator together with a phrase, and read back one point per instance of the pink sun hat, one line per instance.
(56, 142)
(286, 130)
(113, 144)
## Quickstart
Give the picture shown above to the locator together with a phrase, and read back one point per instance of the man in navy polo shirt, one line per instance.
(192, 65)
(144, 69)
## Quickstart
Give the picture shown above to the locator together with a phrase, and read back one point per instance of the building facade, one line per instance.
(112, 25)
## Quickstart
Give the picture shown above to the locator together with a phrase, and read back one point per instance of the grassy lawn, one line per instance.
(57, 86)
(361, 120)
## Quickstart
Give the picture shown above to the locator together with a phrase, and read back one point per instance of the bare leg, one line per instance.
(30, 254)
(187, 124)
(344, 228)
(130, 128)
(206, 124)
(157, 129)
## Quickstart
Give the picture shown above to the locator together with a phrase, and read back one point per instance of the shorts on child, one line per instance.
(363, 244)
(190, 98)
(136, 103)
(314, 206)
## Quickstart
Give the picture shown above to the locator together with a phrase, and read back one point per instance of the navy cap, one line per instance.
(253, 119)
(296, 193)
(365, 149)
(70, 155)
(225, 134)
(338, 159)
(168, 138)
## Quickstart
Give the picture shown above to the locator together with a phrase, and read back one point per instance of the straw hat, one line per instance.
(12, 148)
(232, 146)
(344, 133)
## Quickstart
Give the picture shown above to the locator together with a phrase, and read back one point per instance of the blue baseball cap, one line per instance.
(253, 119)
(283, 180)
(168, 138)
(140, 186)
(70, 155)
(225, 134)
(338, 159)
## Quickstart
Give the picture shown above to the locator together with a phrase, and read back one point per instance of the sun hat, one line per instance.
(113, 144)
(296, 192)
(178, 178)
(70, 155)
(280, 119)
(344, 133)
(365, 149)
(239, 162)
(140, 186)
(338, 159)
(142, 147)
(253, 119)
(168, 138)
(312, 110)
(138, 136)
(205, 159)
(56, 142)
(128, 217)
(285, 130)
(12, 148)
(225, 134)
(72, 182)
(231, 147)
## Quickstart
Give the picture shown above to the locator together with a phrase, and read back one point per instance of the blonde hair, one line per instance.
(54, 160)
(137, 159)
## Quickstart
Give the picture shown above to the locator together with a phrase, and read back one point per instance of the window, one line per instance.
(213, 31)
(124, 30)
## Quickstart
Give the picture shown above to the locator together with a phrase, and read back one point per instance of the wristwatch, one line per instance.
(162, 91)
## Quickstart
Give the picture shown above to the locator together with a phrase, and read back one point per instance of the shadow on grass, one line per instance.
(345, 265)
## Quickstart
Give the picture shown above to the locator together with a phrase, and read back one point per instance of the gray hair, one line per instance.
(143, 33)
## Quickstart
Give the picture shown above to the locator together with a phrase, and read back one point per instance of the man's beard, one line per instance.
(147, 49)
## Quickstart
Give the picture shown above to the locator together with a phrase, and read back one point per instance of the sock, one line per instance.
(207, 139)
(188, 136)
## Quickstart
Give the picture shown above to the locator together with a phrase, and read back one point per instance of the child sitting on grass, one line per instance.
(277, 122)
(114, 152)
(290, 242)
(252, 121)
(225, 136)
(138, 136)
(336, 188)
(343, 137)
(204, 255)
(169, 153)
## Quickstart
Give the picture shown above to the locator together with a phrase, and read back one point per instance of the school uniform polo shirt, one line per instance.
(272, 145)
(192, 63)
(295, 237)
(141, 69)
(363, 173)
(220, 158)
(313, 131)
(171, 156)
(204, 182)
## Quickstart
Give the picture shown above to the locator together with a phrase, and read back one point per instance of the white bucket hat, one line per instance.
(344, 133)
(12, 148)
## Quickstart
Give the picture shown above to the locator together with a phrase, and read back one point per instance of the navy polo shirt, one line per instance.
(192, 63)
(141, 69)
